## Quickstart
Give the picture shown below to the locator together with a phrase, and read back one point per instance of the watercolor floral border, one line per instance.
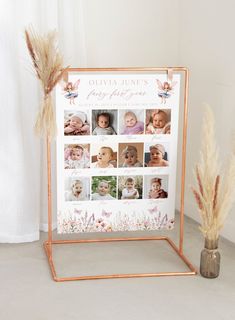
(77, 221)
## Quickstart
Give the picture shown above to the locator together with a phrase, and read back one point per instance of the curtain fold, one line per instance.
(23, 187)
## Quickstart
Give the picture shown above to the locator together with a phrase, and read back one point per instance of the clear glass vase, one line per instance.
(210, 259)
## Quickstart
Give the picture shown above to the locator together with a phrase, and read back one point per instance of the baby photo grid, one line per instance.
(116, 151)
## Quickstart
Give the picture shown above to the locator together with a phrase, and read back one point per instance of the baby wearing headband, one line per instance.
(130, 156)
(75, 157)
(157, 153)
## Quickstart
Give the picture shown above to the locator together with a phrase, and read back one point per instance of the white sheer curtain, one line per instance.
(23, 198)
(109, 26)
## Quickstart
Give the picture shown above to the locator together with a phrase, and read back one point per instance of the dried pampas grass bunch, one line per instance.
(48, 64)
(216, 191)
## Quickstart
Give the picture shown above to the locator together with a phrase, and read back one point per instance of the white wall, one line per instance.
(197, 34)
(131, 32)
(207, 48)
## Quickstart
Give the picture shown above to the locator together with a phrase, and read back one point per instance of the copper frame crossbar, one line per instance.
(48, 245)
(113, 276)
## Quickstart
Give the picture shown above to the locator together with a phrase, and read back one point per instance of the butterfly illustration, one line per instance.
(77, 211)
(70, 90)
(106, 214)
(153, 210)
(165, 89)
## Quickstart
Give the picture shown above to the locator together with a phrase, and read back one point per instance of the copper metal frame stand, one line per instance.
(48, 245)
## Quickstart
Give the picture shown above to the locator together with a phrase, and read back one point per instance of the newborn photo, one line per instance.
(104, 122)
(76, 123)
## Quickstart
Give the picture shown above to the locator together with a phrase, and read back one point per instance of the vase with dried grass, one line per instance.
(214, 195)
(48, 65)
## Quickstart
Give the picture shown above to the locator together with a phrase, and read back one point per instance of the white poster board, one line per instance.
(116, 151)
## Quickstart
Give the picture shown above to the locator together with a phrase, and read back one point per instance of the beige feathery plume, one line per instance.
(48, 65)
(216, 190)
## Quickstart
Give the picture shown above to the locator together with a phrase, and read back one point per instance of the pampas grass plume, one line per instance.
(48, 65)
(216, 189)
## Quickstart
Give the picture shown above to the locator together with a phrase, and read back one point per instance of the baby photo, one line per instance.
(104, 188)
(155, 187)
(77, 189)
(104, 122)
(156, 155)
(76, 123)
(76, 156)
(130, 155)
(130, 187)
(104, 156)
(158, 121)
(131, 121)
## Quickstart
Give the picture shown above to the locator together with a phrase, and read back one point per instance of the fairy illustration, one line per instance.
(70, 90)
(165, 89)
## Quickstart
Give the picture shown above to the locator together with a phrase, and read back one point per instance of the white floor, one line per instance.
(28, 292)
